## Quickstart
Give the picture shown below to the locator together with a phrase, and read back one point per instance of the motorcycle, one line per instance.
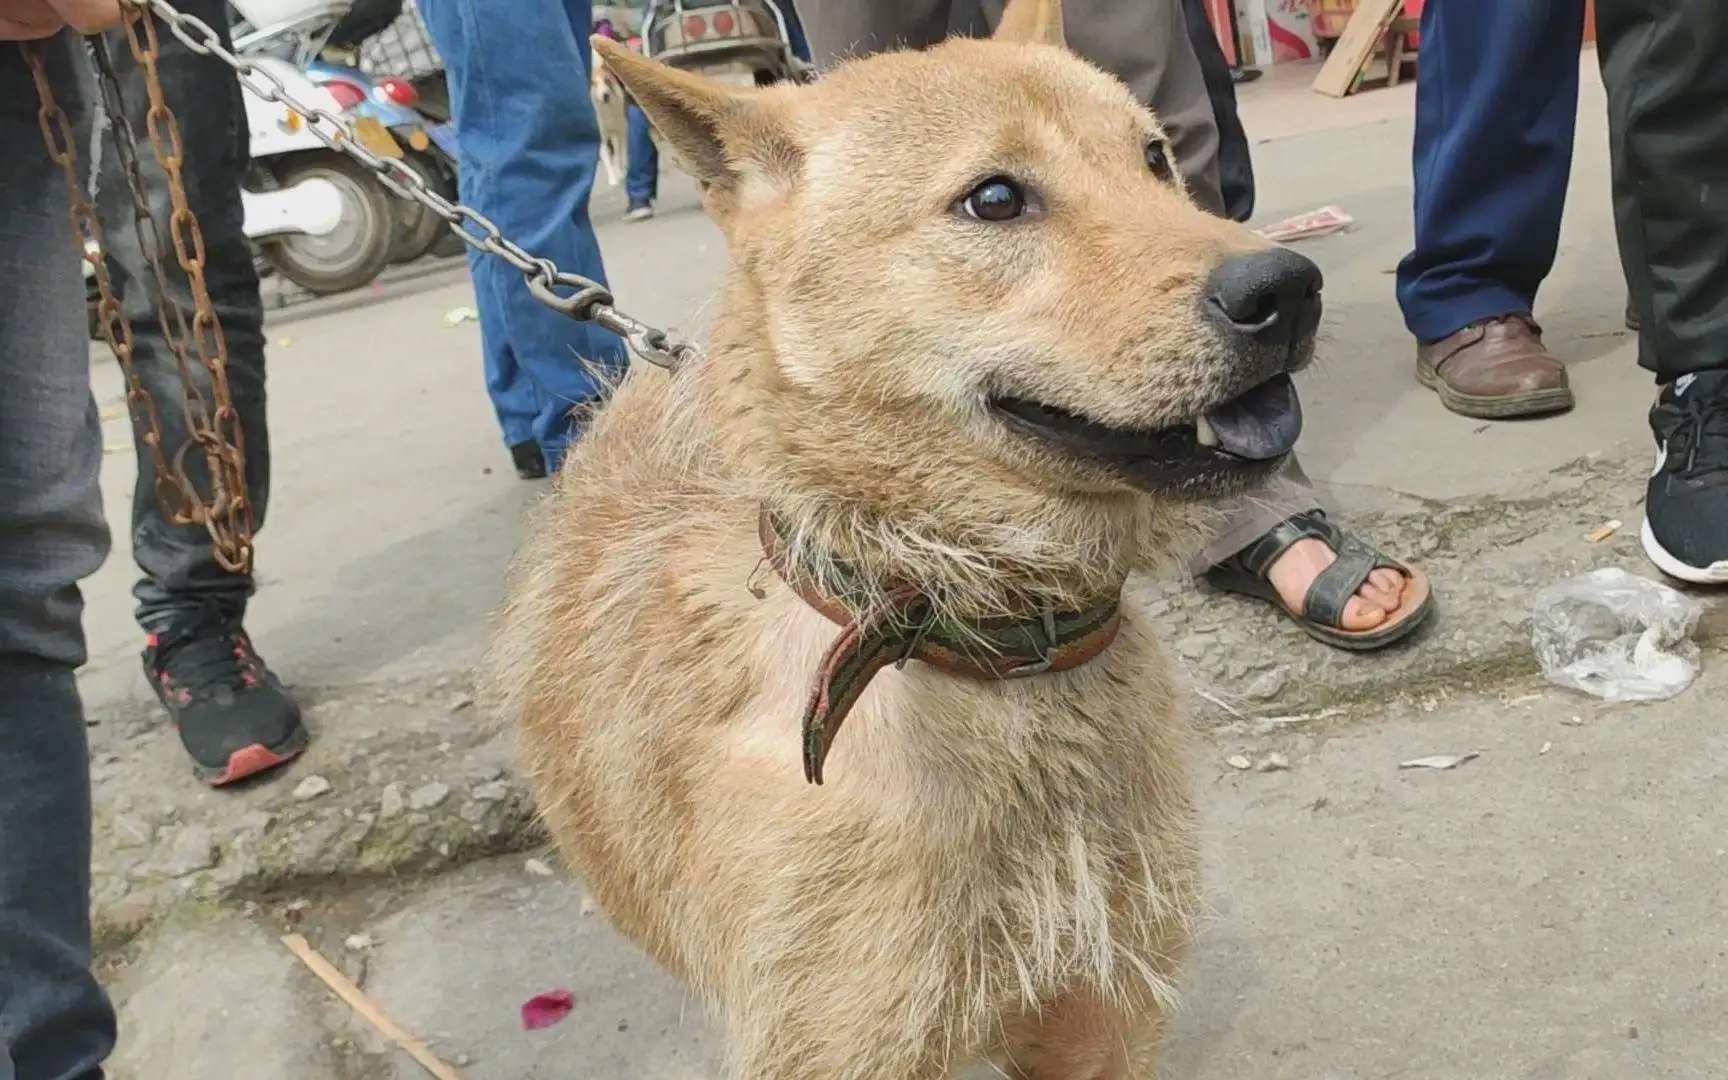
(738, 41)
(428, 147)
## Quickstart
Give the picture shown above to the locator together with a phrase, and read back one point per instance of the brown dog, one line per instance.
(979, 360)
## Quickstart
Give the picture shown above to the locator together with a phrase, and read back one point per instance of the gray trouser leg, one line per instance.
(55, 1023)
(1145, 44)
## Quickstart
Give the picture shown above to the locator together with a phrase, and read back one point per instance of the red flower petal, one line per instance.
(544, 1010)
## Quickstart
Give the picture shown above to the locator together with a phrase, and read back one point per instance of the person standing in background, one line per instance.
(528, 147)
(1496, 108)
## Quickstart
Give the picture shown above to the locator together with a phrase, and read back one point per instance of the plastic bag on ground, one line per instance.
(1617, 636)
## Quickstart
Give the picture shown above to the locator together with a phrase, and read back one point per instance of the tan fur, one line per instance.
(997, 871)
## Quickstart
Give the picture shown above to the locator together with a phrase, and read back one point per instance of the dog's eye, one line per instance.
(996, 199)
(1158, 159)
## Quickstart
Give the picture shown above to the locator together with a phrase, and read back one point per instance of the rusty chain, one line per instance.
(214, 426)
(227, 513)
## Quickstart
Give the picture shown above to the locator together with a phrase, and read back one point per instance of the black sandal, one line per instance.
(1322, 614)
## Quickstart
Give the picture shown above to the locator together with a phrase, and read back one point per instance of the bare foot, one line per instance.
(1295, 570)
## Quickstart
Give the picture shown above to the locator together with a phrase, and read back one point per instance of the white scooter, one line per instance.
(318, 218)
(314, 214)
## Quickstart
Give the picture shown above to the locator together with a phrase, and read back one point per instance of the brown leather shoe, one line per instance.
(1495, 369)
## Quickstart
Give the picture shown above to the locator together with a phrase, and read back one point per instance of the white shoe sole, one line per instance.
(1714, 574)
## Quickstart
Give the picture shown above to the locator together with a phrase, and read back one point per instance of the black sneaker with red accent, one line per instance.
(234, 717)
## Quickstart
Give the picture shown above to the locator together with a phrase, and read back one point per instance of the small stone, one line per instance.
(392, 802)
(131, 831)
(192, 849)
(428, 796)
(311, 787)
(537, 868)
(1269, 685)
(490, 773)
(587, 904)
(357, 942)
(472, 812)
(1239, 761)
(496, 791)
(1274, 762)
(463, 1061)
(1193, 647)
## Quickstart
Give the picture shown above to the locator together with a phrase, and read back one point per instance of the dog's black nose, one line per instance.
(1271, 295)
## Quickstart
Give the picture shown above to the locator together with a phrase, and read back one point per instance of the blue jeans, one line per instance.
(528, 145)
(55, 1022)
(642, 178)
(1496, 104)
(795, 38)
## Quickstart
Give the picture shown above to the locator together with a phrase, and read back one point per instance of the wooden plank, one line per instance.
(367, 1008)
(1355, 46)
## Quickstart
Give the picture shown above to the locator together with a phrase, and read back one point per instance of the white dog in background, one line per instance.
(608, 96)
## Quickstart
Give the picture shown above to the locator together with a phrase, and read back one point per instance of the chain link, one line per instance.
(227, 516)
(586, 301)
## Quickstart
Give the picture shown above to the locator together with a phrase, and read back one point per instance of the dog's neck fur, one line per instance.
(850, 497)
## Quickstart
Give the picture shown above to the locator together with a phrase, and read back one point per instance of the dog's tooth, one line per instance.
(1203, 433)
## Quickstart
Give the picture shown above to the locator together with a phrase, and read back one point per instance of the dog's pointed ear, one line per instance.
(707, 125)
(1030, 22)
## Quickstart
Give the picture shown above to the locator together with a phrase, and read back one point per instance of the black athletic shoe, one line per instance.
(529, 460)
(1686, 510)
(234, 717)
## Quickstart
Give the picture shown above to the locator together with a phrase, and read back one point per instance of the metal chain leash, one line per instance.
(588, 301)
(226, 515)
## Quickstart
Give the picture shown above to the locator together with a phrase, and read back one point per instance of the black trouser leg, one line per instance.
(1665, 67)
(1235, 163)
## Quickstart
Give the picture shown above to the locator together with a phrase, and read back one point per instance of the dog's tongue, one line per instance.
(1261, 424)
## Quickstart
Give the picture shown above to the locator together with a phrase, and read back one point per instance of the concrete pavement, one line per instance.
(1547, 911)
(1357, 938)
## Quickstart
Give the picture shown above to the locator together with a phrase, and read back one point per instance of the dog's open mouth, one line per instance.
(1248, 434)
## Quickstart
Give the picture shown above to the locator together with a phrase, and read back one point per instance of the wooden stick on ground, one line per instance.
(367, 1008)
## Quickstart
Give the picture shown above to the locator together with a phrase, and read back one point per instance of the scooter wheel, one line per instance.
(358, 250)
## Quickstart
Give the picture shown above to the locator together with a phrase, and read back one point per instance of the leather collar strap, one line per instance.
(905, 624)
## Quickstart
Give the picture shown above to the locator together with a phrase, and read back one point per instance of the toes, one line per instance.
(1384, 589)
(1359, 614)
(1390, 581)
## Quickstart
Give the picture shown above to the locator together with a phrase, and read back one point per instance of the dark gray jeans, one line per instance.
(180, 571)
(55, 1023)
